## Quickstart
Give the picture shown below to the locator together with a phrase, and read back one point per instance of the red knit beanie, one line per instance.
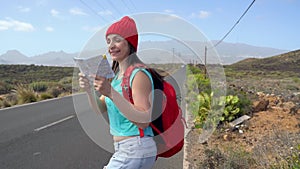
(127, 29)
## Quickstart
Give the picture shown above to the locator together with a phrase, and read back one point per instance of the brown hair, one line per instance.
(115, 64)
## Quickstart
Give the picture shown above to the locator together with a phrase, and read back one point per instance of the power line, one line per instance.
(90, 8)
(104, 10)
(133, 5)
(127, 6)
(234, 24)
(116, 9)
(100, 5)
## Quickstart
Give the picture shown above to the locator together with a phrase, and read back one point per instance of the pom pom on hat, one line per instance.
(126, 28)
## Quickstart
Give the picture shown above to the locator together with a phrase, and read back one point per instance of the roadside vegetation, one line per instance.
(236, 103)
(30, 83)
(270, 139)
(20, 84)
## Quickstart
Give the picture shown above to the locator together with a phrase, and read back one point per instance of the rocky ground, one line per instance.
(269, 139)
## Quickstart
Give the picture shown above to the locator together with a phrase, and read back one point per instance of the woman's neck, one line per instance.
(126, 62)
(123, 65)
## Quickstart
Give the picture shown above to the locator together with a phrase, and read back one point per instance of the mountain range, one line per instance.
(60, 58)
(229, 53)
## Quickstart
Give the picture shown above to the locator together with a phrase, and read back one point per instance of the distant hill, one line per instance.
(160, 52)
(228, 52)
(285, 62)
(240, 51)
(233, 52)
(13, 57)
(60, 58)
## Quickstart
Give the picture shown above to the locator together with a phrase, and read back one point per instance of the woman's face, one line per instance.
(118, 47)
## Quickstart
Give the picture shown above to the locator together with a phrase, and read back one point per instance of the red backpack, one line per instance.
(167, 121)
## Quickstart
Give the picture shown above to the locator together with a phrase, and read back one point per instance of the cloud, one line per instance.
(54, 12)
(169, 18)
(23, 9)
(105, 13)
(168, 11)
(204, 14)
(15, 25)
(91, 29)
(77, 11)
(201, 15)
(41, 2)
(49, 29)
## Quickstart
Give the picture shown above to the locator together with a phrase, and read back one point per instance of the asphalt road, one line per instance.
(48, 134)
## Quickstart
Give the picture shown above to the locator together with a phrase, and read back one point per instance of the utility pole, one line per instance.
(173, 49)
(205, 51)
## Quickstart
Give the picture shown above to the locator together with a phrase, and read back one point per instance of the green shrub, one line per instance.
(198, 83)
(65, 94)
(194, 69)
(203, 83)
(231, 110)
(296, 80)
(294, 159)
(5, 87)
(66, 80)
(12, 98)
(45, 96)
(202, 106)
(4, 103)
(290, 162)
(66, 84)
(244, 102)
(206, 107)
(39, 86)
(1, 104)
(233, 158)
(25, 94)
(292, 87)
(55, 91)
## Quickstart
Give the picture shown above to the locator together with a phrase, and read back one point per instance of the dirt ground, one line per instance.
(268, 139)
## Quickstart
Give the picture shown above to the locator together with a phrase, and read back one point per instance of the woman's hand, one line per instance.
(84, 82)
(99, 105)
(102, 85)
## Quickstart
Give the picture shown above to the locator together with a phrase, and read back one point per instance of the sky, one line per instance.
(36, 27)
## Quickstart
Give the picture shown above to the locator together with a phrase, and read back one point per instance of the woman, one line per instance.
(132, 151)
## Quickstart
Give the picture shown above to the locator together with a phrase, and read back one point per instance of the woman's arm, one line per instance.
(97, 103)
(140, 112)
(142, 97)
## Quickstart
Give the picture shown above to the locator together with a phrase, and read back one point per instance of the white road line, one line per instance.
(54, 123)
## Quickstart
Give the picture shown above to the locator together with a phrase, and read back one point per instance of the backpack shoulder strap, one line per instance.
(126, 88)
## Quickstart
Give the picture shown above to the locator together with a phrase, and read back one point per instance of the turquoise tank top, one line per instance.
(119, 124)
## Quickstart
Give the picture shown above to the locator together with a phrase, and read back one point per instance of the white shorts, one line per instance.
(133, 153)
